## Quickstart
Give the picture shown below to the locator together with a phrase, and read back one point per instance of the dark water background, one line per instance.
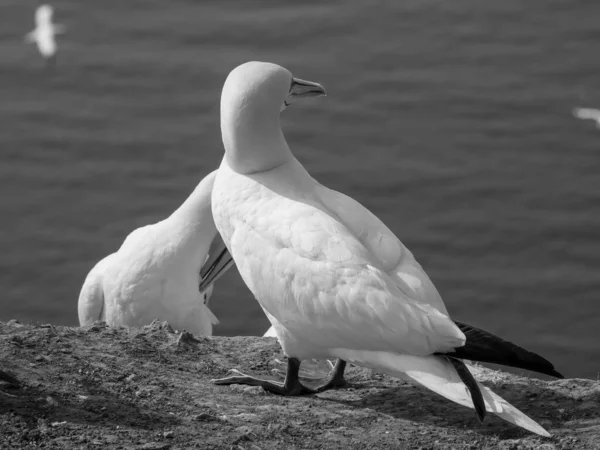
(450, 120)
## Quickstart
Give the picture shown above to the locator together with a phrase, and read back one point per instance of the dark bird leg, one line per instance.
(290, 387)
(333, 380)
(336, 377)
(467, 377)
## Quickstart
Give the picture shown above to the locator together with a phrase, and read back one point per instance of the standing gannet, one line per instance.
(333, 280)
(44, 33)
(162, 271)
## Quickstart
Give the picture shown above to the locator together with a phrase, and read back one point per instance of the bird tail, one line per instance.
(484, 346)
(439, 375)
(90, 306)
(270, 332)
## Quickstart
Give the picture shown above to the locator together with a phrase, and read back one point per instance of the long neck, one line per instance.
(191, 228)
(253, 141)
(195, 212)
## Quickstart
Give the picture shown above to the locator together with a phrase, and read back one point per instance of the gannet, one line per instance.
(162, 271)
(588, 113)
(44, 33)
(333, 280)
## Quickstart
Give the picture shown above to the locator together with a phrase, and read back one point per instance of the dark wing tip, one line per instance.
(556, 374)
(484, 346)
(467, 378)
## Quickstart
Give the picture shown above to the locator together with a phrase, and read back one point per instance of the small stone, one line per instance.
(168, 434)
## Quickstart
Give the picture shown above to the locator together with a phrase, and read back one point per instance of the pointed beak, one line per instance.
(218, 262)
(302, 88)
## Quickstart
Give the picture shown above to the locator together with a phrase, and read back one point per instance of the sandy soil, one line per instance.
(98, 387)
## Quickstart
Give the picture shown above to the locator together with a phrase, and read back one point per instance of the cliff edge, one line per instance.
(99, 387)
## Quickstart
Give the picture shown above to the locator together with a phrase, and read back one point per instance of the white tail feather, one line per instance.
(437, 374)
(90, 306)
(270, 332)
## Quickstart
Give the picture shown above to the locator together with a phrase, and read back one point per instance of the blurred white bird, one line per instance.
(588, 114)
(162, 271)
(44, 33)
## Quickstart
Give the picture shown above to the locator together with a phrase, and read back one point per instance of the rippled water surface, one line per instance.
(449, 120)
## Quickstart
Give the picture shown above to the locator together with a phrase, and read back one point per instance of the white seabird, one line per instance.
(162, 271)
(44, 34)
(588, 114)
(333, 280)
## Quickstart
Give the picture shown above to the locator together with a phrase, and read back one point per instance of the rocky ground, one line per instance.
(97, 387)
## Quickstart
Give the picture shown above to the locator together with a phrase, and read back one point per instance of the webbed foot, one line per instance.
(290, 387)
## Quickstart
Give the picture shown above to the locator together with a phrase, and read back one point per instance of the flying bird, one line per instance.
(588, 114)
(164, 271)
(44, 34)
(334, 281)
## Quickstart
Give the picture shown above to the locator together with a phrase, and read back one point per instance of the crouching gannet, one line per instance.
(162, 271)
(333, 280)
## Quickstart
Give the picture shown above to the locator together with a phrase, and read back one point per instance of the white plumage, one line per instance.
(333, 280)
(44, 34)
(588, 114)
(156, 272)
(270, 332)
